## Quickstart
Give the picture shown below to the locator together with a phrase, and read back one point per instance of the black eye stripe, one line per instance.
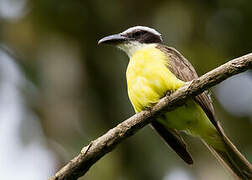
(138, 33)
(143, 36)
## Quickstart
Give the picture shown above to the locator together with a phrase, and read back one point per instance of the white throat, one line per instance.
(131, 47)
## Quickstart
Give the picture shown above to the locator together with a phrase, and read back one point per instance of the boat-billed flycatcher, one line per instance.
(155, 70)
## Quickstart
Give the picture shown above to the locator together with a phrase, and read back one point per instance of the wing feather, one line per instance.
(174, 140)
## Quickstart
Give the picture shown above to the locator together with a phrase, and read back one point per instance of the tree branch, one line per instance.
(96, 149)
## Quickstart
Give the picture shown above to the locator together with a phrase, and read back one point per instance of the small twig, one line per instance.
(90, 144)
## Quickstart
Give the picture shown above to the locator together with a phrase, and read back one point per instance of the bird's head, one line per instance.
(133, 39)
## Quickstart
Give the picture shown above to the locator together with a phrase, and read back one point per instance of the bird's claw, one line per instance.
(168, 93)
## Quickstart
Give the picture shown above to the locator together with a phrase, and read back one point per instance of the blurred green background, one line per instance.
(59, 90)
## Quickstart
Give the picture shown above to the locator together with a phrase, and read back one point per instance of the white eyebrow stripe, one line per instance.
(144, 28)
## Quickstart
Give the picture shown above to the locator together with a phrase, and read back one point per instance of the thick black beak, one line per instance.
(113, 39)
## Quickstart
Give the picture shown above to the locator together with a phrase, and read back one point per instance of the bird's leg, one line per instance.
(147, 108)
(169, 92)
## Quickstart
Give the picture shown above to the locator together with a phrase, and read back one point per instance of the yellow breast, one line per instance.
(148, 77)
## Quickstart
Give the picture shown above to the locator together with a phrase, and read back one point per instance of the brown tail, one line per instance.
(232, 159)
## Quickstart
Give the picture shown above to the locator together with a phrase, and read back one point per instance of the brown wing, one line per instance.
(173, 139)
(184, 71)
(182, 68)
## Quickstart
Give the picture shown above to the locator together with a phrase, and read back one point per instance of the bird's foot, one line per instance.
(168, 93)
(148, 108)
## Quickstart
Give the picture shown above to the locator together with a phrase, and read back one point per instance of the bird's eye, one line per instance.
(137, 34)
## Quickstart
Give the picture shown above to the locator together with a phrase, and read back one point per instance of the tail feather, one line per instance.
(231, 158)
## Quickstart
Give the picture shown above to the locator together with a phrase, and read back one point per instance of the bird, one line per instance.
(155, 70)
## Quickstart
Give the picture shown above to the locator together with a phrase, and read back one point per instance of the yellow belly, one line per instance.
(148, 78)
